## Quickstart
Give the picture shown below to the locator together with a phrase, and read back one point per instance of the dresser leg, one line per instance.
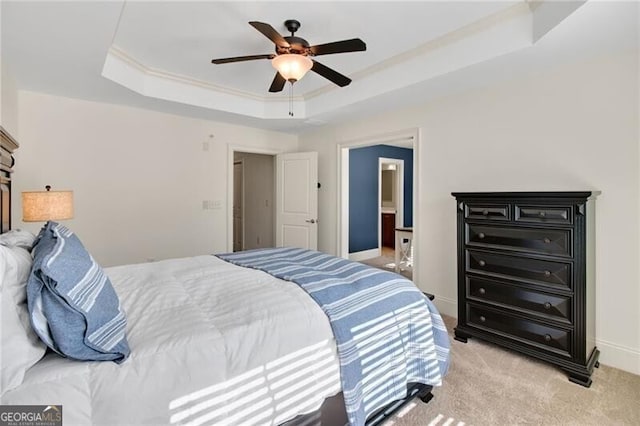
(581, 379)
(460, 336)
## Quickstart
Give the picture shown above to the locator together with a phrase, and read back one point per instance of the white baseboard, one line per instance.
(359, 256)
(446, 306)
(618, 356)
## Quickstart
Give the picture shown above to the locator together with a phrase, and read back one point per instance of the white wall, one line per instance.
(8, 94)
(9, 112)
(139, 177)
(8, 101)
(571, 128)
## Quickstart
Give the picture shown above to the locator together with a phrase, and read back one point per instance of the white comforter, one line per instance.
(211, 343)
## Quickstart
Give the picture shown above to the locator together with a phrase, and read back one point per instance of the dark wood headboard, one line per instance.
(7, 146)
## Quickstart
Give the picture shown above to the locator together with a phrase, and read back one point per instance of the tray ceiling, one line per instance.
(157, 54)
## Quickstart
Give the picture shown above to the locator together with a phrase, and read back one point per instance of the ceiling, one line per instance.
(157, 55)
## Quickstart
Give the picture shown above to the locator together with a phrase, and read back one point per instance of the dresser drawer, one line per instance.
(542, 336)
(544, 241)
(544, 214)
(486, 211)
(557, 274)
(546, 305)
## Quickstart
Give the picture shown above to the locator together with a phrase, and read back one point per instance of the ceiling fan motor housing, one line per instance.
(297, 46)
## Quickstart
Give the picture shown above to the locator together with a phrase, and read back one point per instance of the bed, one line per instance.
(228, 339)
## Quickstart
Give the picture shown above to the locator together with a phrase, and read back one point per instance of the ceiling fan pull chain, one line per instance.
(291, 100)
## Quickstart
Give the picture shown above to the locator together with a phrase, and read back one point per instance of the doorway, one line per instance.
(253, 207)
(281, 213)
(408, 138)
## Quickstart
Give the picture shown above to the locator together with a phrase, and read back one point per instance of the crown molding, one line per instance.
(470, 30)
(167, 75)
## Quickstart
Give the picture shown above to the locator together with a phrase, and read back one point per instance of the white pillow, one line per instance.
(17, 238)
(21, 348)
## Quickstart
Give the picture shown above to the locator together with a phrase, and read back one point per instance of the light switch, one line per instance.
(211, 204)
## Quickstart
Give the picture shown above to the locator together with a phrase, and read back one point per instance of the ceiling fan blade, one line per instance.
(330, 74)
(344, 46)
(270, 33)
(241, 58)
(278, 83)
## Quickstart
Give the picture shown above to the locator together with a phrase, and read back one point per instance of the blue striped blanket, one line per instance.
(388, 333)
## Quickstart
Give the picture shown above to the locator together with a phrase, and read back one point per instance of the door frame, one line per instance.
(399, 188)
(231, 150)
(405, 137)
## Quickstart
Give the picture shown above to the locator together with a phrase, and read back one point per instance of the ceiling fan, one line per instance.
(293, 57)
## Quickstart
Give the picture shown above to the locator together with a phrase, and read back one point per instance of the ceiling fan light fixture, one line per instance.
(292, 67)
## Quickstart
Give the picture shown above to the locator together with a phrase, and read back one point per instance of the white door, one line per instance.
(297, 200)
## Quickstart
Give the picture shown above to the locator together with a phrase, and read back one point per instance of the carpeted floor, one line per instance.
(489, 385)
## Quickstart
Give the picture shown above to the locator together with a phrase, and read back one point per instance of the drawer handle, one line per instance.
(481, 235)
(547, 273)
(547, 305)
(485, 212)
(542, 214)
(482, 291)
(547, 338)
(482, 319)
(481, 262)
(546, 240)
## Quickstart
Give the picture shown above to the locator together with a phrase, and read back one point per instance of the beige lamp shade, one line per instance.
(41, 206)
(292, 67)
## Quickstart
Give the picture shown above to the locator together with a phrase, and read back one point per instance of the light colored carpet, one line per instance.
(489, 385)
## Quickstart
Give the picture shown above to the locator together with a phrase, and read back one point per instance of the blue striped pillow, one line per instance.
(72, 305)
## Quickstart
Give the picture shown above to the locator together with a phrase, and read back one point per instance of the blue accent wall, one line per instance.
(363, 193)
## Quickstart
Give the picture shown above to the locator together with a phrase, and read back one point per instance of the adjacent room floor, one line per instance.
(386, 261)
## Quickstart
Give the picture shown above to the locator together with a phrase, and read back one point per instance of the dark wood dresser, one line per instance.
(526, 275)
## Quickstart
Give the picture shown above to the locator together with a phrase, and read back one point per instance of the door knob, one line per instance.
(310, 221)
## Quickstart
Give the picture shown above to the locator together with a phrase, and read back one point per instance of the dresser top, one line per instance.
(529, 194)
